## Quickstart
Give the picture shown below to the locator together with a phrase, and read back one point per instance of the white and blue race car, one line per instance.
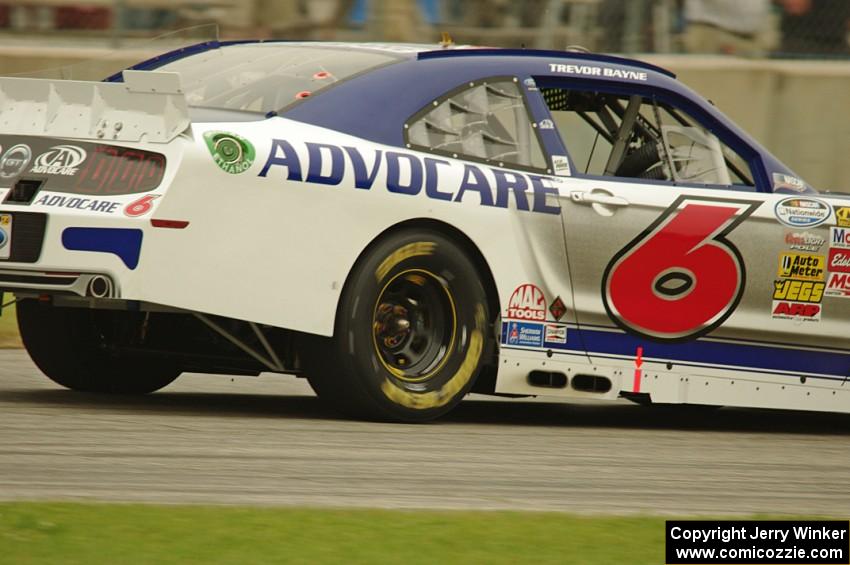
(402, 225)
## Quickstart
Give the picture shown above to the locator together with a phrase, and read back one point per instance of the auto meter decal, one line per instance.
(232, 153)
(681, 277)
(80, 168)
(802, 212)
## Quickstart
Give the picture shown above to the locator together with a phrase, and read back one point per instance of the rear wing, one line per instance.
(148, 105)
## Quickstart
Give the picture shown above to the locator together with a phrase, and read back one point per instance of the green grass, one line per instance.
(123, 533)
(9, 326)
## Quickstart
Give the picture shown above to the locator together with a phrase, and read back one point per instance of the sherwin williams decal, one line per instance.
(125, 243)
(232, 153)
(802, 212)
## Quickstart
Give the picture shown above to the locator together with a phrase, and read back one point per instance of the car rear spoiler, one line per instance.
(148, 105)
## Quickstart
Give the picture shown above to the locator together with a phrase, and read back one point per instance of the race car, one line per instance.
(404, 224)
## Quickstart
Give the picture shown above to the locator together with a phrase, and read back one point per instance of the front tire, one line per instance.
(411, 333)
(72, 347)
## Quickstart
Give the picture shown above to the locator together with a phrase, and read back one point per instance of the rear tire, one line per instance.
(411, 332)
(72, 347)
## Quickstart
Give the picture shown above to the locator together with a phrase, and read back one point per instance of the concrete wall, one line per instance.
(798, 110)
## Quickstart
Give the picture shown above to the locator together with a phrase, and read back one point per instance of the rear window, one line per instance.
(267, 77)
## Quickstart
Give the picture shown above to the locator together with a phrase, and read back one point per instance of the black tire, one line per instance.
(411, 335)
(71, 347)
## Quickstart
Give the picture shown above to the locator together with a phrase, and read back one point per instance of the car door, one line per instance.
(677, 250)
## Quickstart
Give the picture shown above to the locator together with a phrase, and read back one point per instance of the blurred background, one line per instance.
(780, 68)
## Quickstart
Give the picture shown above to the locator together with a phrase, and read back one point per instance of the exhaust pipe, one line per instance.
(99, 287)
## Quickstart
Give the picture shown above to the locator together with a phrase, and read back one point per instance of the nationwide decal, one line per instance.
(557, 308)
(78, 203)
(797, 311)
(232, 153)
(839, 238)
(596, 71)
(802, 266)
(411, 174)
(802, 212)
(838, 284)
(798, 291)
(839, 261)
(61, 160)
(804, 241)
(524, 334)
(555, 334)
(15, 160)
(527, 303)
(842, 216)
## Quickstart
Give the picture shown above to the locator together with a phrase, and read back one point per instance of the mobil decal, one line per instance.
(838, 284)
(801, 266)
(410, 174)
(797, 311)
(527, 303)
(522, 334)
(802, 212)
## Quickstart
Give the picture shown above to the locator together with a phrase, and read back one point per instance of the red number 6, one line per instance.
(680, 278)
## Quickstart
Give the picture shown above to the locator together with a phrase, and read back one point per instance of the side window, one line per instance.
(486, 121)
(638, 137)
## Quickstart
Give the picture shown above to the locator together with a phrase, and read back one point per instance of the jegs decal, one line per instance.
(680, 278)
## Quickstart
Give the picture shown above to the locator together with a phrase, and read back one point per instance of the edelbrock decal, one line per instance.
(802, 212)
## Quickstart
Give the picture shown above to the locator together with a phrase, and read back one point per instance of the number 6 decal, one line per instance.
(680, 278)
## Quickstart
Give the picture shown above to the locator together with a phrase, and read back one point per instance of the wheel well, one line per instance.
(458, 237)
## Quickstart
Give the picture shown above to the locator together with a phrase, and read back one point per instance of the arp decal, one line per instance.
(838, 284)
(798, 291)
(232, 153)
(801, 266)
(681, 277)
(527, 303)
(784, 310)
(802, 212)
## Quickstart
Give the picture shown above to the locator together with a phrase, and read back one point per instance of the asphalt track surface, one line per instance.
(268, 440)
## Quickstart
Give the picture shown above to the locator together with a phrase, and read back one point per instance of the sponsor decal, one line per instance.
(15, 160)
(141, 206)
(787, 182)
(804, 241)
(411, 174)
(802, 212)
(842, 216)
(79, 203)
(797, 311)
(555, 334)
(561, 165)
(839, 260)
(62, 160)
(546, 123)
(232, 153)
(5, 236)
(557, 308)
(838, 284)
(801, 266)
(596, 71)
(525, 334)
(527, 303)
(798, 290)
(530, 84)
(839, 238)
